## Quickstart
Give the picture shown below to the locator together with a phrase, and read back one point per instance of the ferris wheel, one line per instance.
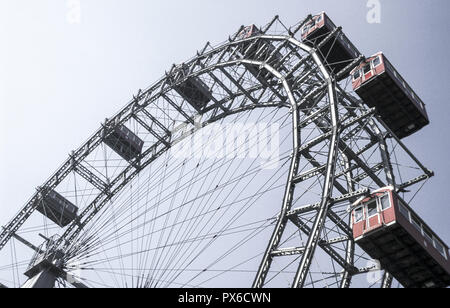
(167, 193)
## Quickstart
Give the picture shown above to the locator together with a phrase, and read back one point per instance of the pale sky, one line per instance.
(59, 81)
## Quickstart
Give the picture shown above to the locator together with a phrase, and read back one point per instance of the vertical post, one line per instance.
(314, 237)
(390, 178)
(387, 278)
(350, 245)
(387, 281)
(289, 193)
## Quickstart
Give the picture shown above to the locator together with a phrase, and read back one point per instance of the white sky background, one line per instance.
(59, 81)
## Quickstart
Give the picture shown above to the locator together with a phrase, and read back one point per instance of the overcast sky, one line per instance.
(60, 78)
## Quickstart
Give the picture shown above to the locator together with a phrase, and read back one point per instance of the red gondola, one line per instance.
(338, 52)
(379, 85)
(388, 230)
(248, 32)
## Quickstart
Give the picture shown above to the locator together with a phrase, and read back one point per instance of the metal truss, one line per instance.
(282, 73)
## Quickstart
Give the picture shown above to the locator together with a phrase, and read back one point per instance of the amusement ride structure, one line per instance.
(125, 211)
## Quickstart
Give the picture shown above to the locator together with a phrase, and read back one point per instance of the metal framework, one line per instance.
(339, 146)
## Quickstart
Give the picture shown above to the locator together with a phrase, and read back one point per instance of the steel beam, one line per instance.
(325, 247)
(333, 201)
(289, 193)
(350, 244)
(414, 181)
(89, 176)
(319, 222)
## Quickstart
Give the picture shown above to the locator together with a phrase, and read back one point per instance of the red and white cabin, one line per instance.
(379, 85)
(388, 230)
(338, 52)
(249, 48)
(248, 32)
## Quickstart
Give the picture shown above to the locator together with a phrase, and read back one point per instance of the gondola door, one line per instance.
(373, 215)
(367, 72)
